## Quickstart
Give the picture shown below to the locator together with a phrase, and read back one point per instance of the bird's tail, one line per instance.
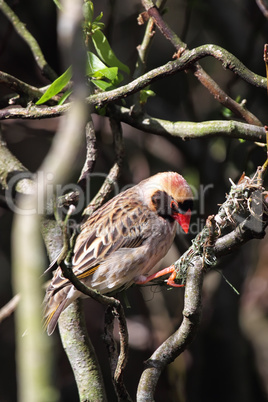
(54, 304)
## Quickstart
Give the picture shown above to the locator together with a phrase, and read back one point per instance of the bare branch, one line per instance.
(91, 153)
(189, 130)
(112, 177)
(27, 92)
(263, 7)
(30, 40)
(117, 363)
(199, 72)
(178, 341)
(10, 167)
(9, 308)
(82, 354)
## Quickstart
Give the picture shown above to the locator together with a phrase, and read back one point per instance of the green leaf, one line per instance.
(97, 25)
(56, 86)
(105, 51)
(99, 17)
(101, 111)
(226, 112)
(58, 4)
(94, 64)
(65, 96)
(103, 85)
(109, 72)
(145, 94)
(88, 11)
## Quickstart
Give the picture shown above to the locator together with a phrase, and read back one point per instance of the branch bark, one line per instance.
(81, 354)
(199, 72)
(189, 130)
(185, 61)
(178, 341)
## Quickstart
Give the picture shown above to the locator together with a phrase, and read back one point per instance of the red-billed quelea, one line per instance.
(123, 240)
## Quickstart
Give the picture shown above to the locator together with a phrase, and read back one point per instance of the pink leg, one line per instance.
(171, 282)
(165, 271)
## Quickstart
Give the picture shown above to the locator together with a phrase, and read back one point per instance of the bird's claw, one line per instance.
(142, 280)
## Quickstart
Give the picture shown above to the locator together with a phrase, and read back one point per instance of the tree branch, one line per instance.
(263, 7)
(30, 40)
(202, 76)
(244, 203)
(114, 172)
(81, 354)
(27, 92)
(189, 130)
(178, 341)
(185, 61)
(91, 155)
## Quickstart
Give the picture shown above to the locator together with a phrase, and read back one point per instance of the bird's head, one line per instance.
(170, 196)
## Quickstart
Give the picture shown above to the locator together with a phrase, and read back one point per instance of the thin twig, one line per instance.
(263, 7)
(114, 172)
(91, 153)
(9, 308)
(117, 363)
(30, 40)
(198, 71)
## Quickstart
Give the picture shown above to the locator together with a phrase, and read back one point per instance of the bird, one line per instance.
(122, 241)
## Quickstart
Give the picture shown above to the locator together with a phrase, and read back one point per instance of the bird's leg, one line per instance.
(141, 280)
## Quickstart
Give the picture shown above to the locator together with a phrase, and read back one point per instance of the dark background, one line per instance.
(227, 360)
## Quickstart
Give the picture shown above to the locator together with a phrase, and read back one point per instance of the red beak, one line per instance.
(184, 220)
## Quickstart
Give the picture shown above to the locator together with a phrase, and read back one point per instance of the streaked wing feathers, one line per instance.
(118, 224)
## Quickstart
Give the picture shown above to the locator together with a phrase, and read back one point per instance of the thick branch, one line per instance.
(189, 130)
(81, 353)
(185, 61)
(177, 342)
(13, 175)
(26, 91)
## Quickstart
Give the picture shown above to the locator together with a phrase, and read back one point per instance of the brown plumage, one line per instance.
(123, 240)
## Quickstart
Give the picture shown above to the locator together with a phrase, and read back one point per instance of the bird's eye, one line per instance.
(174, 206)
(185, 206)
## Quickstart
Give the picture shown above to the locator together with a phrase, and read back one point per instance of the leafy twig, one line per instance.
(185, 61)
